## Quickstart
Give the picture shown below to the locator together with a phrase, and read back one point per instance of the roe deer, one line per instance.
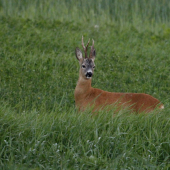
(85, 95)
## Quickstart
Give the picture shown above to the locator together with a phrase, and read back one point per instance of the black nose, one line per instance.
(89, 74)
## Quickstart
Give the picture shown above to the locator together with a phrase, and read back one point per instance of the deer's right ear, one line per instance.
(79, 54)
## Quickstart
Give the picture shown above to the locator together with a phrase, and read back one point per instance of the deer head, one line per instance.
(86, 63)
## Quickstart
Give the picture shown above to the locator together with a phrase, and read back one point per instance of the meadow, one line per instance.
(40, 127)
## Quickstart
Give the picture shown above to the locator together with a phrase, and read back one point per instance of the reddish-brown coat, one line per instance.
(86, 96)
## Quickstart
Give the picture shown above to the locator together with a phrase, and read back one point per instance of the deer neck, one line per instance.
(83, 87)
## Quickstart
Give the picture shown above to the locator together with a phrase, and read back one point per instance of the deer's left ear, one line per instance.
(79, 54)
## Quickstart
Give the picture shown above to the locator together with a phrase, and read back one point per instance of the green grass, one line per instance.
(39, 125)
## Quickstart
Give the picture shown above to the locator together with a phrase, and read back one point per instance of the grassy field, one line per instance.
(39, 125)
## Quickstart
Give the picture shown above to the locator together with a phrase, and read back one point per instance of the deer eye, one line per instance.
(93, 66)
(83, 66)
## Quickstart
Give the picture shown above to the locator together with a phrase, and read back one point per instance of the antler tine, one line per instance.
(83, 44)
(92, 44)
(87, 44)
(85, 48)
(92, 49)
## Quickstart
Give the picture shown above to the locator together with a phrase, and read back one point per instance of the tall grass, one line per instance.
(79, 141)
(39, 124)
(94, 11)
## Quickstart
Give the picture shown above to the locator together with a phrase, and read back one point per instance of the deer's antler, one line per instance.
(85, 48)
(92, 49)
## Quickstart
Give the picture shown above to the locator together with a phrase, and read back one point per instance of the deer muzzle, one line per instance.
(89, 74)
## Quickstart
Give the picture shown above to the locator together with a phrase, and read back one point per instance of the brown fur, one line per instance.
(85, 96)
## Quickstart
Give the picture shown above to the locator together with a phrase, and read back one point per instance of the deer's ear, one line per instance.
(79, 54)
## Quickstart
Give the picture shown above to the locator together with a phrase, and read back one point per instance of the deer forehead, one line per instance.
(88, 61)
